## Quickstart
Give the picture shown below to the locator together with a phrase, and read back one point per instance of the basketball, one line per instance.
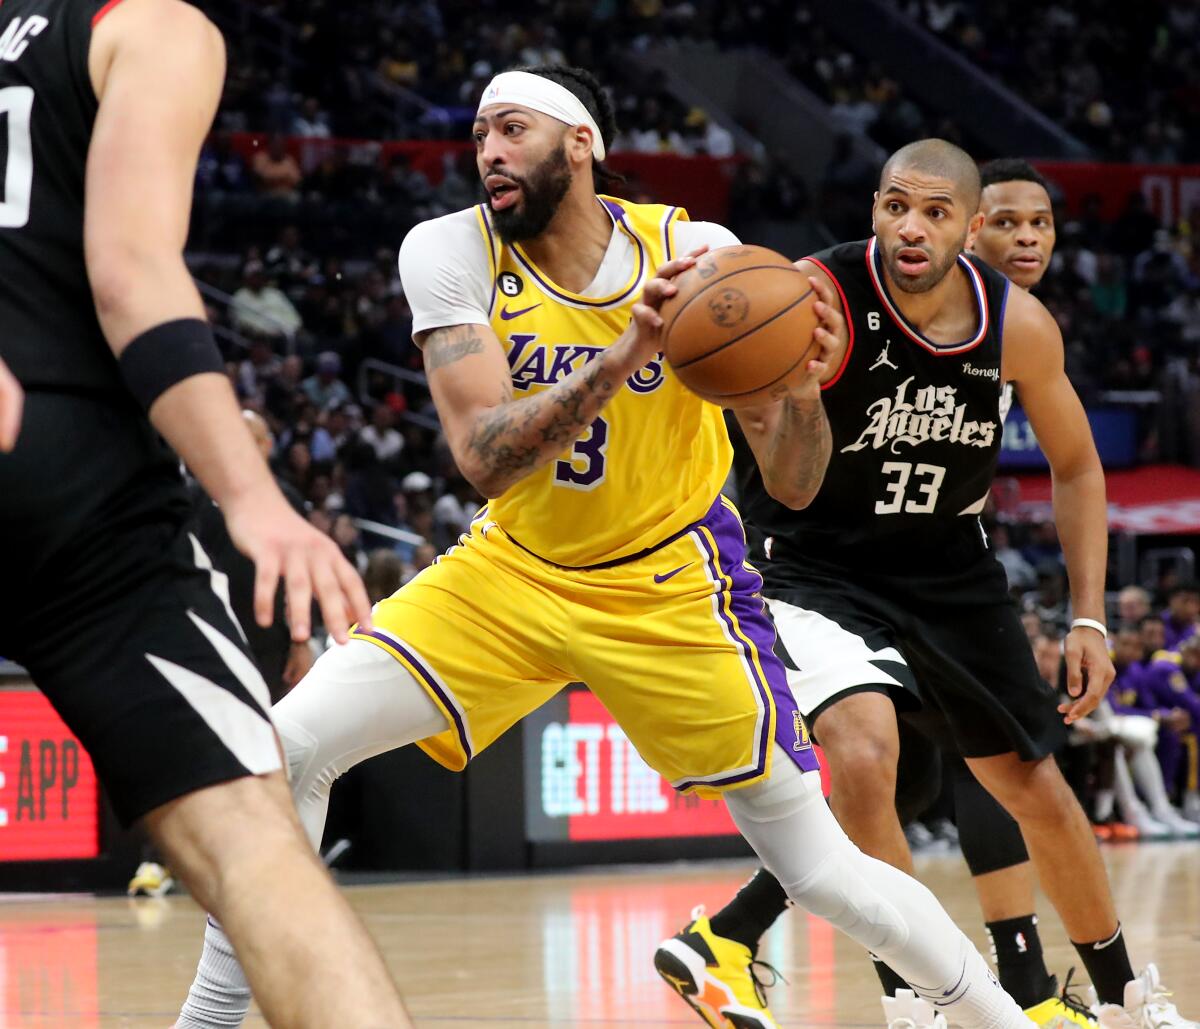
(739, 331)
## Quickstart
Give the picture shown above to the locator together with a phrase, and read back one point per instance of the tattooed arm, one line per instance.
(497, 439)
(791, 439)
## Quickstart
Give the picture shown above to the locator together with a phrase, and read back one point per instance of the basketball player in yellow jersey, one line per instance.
(606, 555)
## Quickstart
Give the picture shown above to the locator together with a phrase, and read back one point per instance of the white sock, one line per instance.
(220, 995)
(790, 826)
(356, 702)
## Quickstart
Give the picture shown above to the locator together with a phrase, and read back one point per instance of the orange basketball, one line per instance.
(740, 329)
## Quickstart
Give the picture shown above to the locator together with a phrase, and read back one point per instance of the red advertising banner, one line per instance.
(1172, 190)
(607, 792)
(49, 797)
(584, 781)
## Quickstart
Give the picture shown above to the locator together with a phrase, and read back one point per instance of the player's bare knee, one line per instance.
(230, 828)
(865, 770)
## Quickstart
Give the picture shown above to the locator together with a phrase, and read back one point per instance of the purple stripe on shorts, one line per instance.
(430, 681)
(747, 605)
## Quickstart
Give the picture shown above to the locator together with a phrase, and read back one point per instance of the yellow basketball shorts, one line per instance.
(676, 644)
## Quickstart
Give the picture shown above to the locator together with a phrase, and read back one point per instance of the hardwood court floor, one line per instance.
(548, 950)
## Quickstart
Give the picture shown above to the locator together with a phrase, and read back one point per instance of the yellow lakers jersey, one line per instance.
(657, 456)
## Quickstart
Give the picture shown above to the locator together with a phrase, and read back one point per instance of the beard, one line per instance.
(938, 268)
(542, 190)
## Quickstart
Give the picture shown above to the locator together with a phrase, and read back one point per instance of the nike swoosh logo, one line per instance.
(507, 315)
(671, 575)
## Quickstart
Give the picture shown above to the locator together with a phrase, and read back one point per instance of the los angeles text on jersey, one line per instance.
(932, 414)
(536, 364)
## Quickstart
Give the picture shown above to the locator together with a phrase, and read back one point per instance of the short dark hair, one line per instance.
(590, 93)
(1010, 169)
(1183, 587)
(939, 157)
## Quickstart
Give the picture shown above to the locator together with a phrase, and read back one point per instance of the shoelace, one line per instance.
(1072, 1000)
(761, 987)
(1159, 1001)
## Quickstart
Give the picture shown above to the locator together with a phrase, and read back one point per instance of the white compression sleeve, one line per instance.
(790, 826)
(356, 702)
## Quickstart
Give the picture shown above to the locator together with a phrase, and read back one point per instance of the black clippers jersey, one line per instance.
(49, 335)
(916, 429)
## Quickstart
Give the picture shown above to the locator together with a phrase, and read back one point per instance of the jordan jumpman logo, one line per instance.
(882, 359)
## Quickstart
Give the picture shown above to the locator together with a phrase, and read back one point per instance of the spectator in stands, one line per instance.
(384, 574)
(453, 511)
(324, 388)
(311, 122)
(259, 308)
(297, 467)
(1133, 604)
(704, 136)
(345, 535)
(1159, 274)
(1181, 619)
(1050, 601)
(1109, 295)
(282, 388)
(221, 169)
(1021, 576)
(277, 171)
(382, 436)
(423, 556)
(288, 263)
(259, 368)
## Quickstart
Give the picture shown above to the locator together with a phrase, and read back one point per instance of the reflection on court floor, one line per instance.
(547, 950)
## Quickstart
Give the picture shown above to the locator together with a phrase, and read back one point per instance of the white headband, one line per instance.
(525, 89)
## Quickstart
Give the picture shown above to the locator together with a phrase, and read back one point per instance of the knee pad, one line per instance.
(299, 747)
(989, 836)
(918, 775)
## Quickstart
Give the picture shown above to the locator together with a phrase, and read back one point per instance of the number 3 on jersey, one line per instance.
(16, 177)
(926, 481)
(584, 470)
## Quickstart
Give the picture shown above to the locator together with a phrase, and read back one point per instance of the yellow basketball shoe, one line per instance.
(1062, 1010)
(716, 977)
(150, 880)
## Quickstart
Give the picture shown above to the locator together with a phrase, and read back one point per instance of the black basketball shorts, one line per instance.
(117, 613)
(948, 647)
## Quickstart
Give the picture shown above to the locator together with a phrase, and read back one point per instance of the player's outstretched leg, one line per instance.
(787, 821)
(239, 849)
(356, 702)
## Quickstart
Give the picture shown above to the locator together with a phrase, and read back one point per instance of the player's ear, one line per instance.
(973, 227)
(579, 142)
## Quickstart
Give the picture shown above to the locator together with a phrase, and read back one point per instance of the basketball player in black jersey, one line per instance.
(111, 606)
(886, 599)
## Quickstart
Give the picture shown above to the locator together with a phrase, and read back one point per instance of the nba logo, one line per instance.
(802, 740)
